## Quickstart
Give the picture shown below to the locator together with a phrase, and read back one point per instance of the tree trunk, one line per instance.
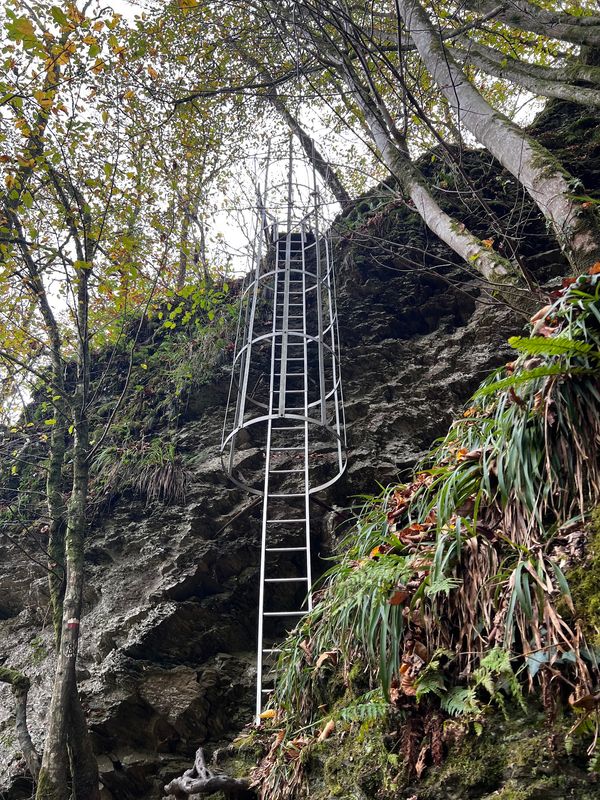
(184, 243)
(554, 24)
(577, 229)
(493, 267)
(64, 706)
(20, 687)
(514, 71)
(321, 164)
(572, 73)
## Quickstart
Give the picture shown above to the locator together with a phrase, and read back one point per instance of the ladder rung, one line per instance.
(284, 549)
(284, 613)
(288, 428)
(277, 495)
(281, 471)
(278, 358)
(285, 580)
(271, 649)
(280, 449)
(298, 519)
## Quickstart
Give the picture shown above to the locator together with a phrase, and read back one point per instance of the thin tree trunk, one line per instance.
(507, 69)
(577, 229)
(63, 707)
(489, 264)
(554, 24)
(20, 687)
(184, 244)
(326, 170)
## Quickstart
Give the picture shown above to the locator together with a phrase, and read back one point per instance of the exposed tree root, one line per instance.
(200, 780)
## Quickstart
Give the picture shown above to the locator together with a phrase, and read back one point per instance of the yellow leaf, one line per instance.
(23, 27)
(98, 66)
(44, 99)
(489, 243)
(152, 72)
(129, 94)
(269, 714)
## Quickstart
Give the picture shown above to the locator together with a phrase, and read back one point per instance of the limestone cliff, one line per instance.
(169, 628)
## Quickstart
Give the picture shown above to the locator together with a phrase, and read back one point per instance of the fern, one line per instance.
(530, 375)
(552, 346)
(369, 707)
(460, 701)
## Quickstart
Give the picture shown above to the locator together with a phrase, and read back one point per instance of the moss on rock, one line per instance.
(584, 582)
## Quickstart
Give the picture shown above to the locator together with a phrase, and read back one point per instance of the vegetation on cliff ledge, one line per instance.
(460, 591)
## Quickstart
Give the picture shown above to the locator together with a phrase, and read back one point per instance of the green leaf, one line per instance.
(21, 28)
(51, 421)
(59, 16)
(531, 375)
(552, 346)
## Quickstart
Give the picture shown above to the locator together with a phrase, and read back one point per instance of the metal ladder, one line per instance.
(285, 402)
(288, 394)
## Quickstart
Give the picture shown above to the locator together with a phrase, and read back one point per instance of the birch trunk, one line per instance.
(550, 186)
(493, 267)
(516, 72)
(554, 24)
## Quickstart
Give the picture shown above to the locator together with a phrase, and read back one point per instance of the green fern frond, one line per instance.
(460, 701)
(530, 375)
(369, 707)
(552, 346)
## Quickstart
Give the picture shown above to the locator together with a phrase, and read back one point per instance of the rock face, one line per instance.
(169, 628)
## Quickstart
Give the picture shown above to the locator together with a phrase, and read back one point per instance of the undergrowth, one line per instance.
(450, 592)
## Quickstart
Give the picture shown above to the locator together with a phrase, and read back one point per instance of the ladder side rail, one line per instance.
(342, 429)
(319, 293)
(334, 351)
(243, 390)
(306, 440)
(286, 290)
(265, 511)
(241, 313)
